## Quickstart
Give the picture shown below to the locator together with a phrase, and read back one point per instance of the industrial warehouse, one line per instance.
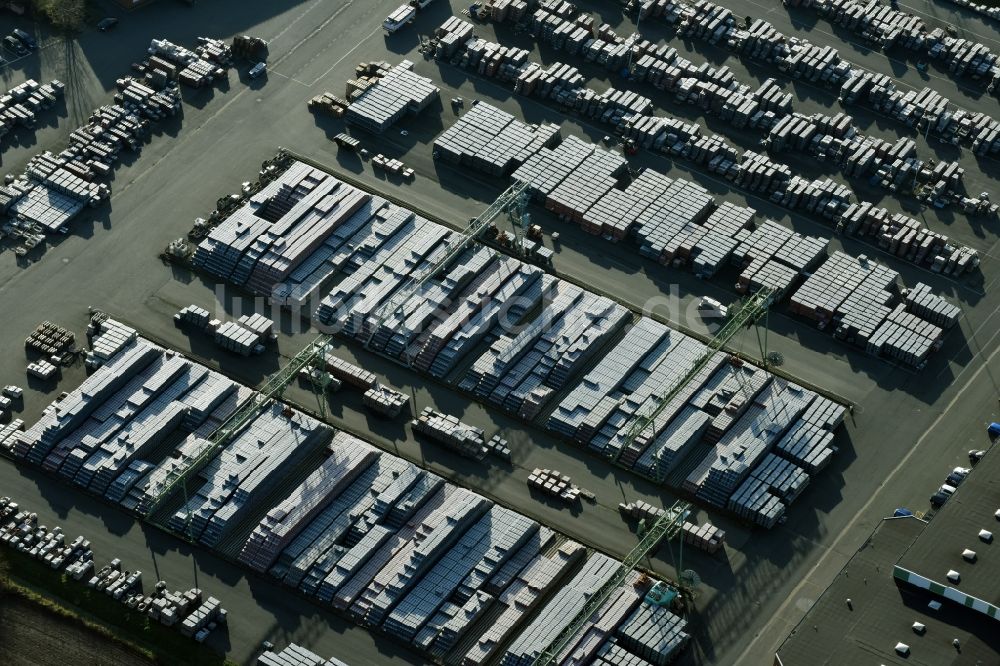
(511, 332)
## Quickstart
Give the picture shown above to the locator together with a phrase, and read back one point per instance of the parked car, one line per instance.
(14, 44)
(106, 24)
(257, 70)
(957, 476)
(901, 512)
(942, 495)
(976, 455)
(25, 38)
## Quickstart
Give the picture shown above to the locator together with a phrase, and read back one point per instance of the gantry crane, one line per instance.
(667, 526)
(510, 202)
(746, 315)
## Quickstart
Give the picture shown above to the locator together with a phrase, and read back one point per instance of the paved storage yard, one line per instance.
(753, 594)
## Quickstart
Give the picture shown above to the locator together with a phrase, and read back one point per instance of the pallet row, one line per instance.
(192, 615)
(367, 533)
(749, 170)
(55, 188)
(798, 58)
(296, 655)
(716, 91)
(398, 93)
(20, 105)
(893, 166)
(202, 67)
(492, 141)
(886, 27)
(515, 337)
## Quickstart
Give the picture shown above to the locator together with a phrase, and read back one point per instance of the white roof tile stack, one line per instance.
(861, 299)
(584, 646)
(396, 94)
(246, 468)
(487, 544)
(653, 633)
(522, 597)
(295, 655)
(559, 611)
(348, 457)
(487, 139)
(462, 438)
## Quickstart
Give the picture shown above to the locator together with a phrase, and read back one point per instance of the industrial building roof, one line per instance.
(884, 608)
(956, 527)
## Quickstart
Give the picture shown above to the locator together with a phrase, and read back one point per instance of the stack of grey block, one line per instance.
(908, 238)
(384, 103)
(928, 305)
(385, 401)
(460, 437)
(492, 141)
(247, 335)
(887, 27)
(20, 105)
(521, 371)
(774, 256)
(295, 655)
(54, 189)
(248, 467)
(389, 544)
(861, 301)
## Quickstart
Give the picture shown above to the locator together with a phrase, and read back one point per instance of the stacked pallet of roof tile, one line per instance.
(547, 168)
(681, 204)
(402, 247)
(613, 424)
(808, 442)
(519, 372)
(615, 213)
(520, 598)
(462, 438)
(489, 541)
(247, 467)
(772, 411)
(591, 178)
(652, 633)
(493, 141)
(385, 401)
(886, 26)
(415, 561)
(21, 104)
(239, 337)
(906, 237)
(260, 244)
(109, 338)
(905, 337)
(605, 378)
(774, 256)
(927, 305)
(349, 373)
(295, 655)
(398, 93)
(348, 457)
(772, 486)
(451, 36)
(599, 627)
(311, 556)
(399, 335)
(474, 315)
(363, 561)
(559, 611)
(494, 60)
